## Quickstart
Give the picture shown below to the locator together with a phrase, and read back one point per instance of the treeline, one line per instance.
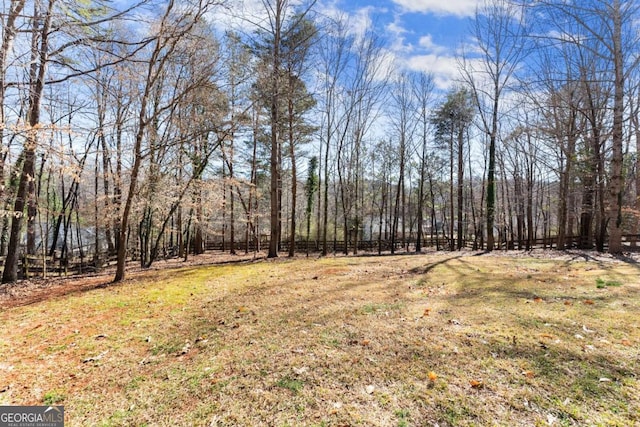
(154, 130)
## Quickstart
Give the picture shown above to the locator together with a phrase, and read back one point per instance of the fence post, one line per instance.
(25, 266)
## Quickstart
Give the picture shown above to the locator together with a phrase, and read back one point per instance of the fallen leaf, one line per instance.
(300, 371)
(95, 358)
(589, 302)
(476, 384)
(432, 376)
(567, 302)
(185, 349)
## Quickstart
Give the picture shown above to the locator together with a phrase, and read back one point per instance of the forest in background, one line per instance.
(153, 130)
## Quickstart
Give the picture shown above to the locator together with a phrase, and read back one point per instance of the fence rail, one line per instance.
(630, 242)
(30, 266)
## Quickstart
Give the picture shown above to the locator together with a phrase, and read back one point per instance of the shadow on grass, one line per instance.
(567, 379)
(253, 324)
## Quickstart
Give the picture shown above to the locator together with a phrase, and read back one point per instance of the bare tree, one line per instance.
(603, 32)
(334, 56)
(170, 30)
(51, 39)
(422, 88)
(280, 23)
(452, 120)
(499, 31)
(405, 128)
(353, 87)
(10, 23)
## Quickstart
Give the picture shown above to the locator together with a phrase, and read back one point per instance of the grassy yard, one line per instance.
(414, 340)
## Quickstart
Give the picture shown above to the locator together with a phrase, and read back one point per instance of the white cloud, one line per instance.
(387, 64)
(396, 27)
(358, 21)
(396, 35)
(445, 69)
(427, 43)
(244, 16)
(361, 21)
(440, 7)
(438, 60)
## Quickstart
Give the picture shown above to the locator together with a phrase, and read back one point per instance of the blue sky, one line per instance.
(421, 35)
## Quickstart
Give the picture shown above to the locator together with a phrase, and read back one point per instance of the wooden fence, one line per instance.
(30, 266)
(631, 242)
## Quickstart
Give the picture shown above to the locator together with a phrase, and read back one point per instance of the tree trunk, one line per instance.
(491, 177)
(614, 214)
(294, 178)
(460, 187)
(451, 195)
(275, 220)
(37, 73)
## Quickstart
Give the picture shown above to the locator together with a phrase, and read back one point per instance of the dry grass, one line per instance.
(446, 339)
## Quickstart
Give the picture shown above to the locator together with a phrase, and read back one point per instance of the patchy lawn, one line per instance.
(411, 340)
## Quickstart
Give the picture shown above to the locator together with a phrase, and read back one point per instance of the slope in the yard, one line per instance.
(414, 340)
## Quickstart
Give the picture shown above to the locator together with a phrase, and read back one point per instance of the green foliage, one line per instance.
(311, 186)
(291, 384)
(403, 417)
(379, 308)
(601, 283)
(53, 397)
(422, 282)
(85, 11)
(453, 116)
